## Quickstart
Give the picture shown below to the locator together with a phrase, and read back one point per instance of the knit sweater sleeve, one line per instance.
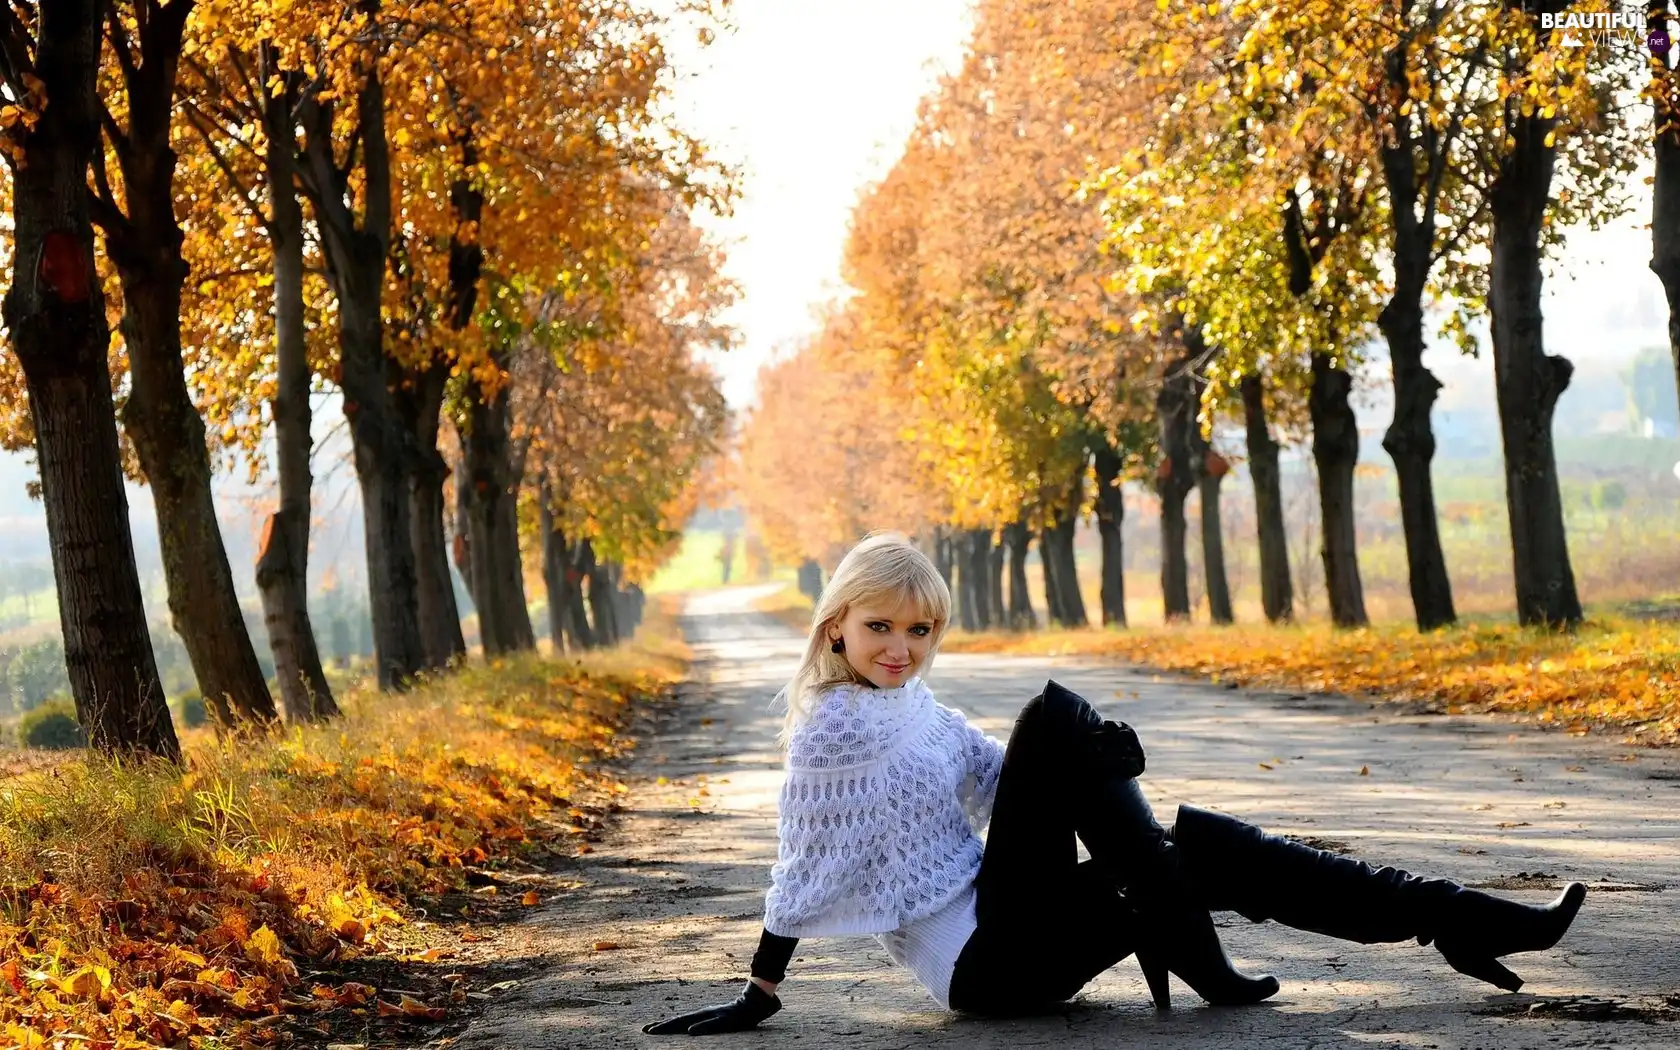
(984, 755)
(832, 852)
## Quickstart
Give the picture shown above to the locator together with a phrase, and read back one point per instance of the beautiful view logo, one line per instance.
(1602, 27)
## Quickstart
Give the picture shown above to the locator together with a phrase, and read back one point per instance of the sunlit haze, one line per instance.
(813, 98)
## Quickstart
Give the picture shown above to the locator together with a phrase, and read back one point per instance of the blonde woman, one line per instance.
(887, 790)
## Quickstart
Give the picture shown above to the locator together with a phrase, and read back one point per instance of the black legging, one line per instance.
(1047, 923)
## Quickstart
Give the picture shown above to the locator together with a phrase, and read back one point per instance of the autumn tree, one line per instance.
(133, 204)
(55, 314)
(1555, 106)
(241, 103)
(620, 427)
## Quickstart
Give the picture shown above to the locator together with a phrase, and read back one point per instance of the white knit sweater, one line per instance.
(879, 820)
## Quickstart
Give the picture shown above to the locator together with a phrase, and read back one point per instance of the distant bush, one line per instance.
(51, 725)
(190, 711)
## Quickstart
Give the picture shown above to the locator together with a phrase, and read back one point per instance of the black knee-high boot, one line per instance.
(1119, 830)
(1236, 866)
(1176, 932)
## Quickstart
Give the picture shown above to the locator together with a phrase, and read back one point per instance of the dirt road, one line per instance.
(679, 887)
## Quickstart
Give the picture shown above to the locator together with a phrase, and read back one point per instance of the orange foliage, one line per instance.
(1611, 673)
(185, 904)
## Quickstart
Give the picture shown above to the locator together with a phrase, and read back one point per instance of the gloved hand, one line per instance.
(1118, 750)
(753, 1005)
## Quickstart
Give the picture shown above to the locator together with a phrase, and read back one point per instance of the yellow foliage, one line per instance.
(1611, 673)
(305, 847)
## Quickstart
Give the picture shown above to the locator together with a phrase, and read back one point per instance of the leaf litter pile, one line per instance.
(231, 903)
(1610, 673)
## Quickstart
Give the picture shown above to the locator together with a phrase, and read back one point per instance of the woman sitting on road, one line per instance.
(886, 790)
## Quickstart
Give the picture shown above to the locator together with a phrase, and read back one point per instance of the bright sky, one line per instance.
(814, 99)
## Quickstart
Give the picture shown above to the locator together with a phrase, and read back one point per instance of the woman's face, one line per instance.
(886, 642)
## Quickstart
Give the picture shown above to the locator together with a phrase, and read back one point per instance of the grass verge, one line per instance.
(790, 605)
(1612, 673)
(146, 905)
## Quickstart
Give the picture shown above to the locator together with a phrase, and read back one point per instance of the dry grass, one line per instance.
(1612, 673)
(146, 905)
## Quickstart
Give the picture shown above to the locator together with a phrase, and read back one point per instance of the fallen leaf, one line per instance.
(1512, 824)
(606, 946)
(1364, 771)
(1574, 769)
(531, 897)
(1265, 766)
(263, 946)
(415, 1008)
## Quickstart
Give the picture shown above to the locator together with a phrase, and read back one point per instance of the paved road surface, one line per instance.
(680, 887)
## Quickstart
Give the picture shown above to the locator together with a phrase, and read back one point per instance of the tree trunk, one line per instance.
(55, 314)
(810, 580)
(460, 545)
(420, 401)
(556, 562)
(962, 568)
(977, 572)
(1665, 222)
(1410, 440)
(1336, 453)
(1111, 515)
(998, 615)
(283, 563)
(355, 253)
(1174, 478)
(1052, 587)
(942, 558)
(1056, 550)
(1213, 550)
(577, 612)
(601, 601)
(1528, 380)
(1277, 595)
(143, 242)
(504, 624)
(623, 602)
(1017, 536)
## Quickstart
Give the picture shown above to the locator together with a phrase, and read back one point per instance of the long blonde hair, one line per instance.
(884, 565)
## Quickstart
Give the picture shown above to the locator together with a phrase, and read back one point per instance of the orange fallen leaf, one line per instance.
(1265, 766)
(1364, 771)
(606, 946)
(531, 897)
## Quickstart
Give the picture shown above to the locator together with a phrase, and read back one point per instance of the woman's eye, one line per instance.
(877, 627)
(921, 632)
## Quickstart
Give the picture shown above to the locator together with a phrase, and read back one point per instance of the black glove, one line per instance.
(753, 1005)
(1117, 749)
